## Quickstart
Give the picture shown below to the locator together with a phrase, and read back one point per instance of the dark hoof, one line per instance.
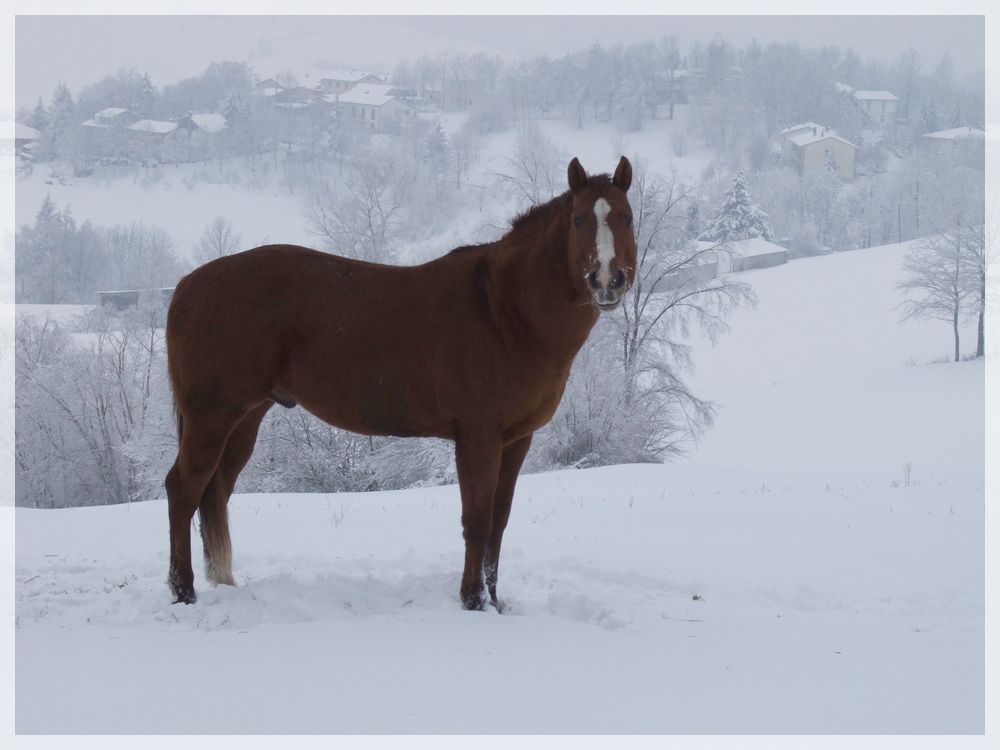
(183, 593)
(474, 601)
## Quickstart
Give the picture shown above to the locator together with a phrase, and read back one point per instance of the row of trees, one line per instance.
(58, 262)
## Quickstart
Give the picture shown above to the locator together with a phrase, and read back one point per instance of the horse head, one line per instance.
(601, 240)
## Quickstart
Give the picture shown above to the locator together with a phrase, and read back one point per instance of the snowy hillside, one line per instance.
(816, 566)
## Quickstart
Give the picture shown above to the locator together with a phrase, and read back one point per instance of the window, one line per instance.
(373, 113)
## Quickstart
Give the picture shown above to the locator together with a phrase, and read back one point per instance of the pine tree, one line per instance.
(39, 119)
(957, 119)
(929, 116)
(146, 96)
(737, 218)
(63, 120)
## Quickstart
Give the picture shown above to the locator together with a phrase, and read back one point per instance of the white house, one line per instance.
(375, 105)
(793, 130)
(807, 145)
(881, 105)
(342, 81)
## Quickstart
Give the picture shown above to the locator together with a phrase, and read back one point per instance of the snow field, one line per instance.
(832, 597)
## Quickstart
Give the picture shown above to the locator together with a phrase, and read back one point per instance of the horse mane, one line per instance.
(540, 213)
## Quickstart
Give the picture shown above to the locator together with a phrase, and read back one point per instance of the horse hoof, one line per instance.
(474, 602)
(184, 595)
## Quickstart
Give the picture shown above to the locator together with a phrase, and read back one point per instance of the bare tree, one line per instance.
(219, 239)
(626, 400)
(946, 271)
(536, 170)
(142, 256)
(935, 268)
(676, 283)
(367, 217)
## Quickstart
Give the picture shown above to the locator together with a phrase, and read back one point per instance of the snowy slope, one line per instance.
(782, 579)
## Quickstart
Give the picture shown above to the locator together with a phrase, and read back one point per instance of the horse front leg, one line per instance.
(510, 465)
(477, 459)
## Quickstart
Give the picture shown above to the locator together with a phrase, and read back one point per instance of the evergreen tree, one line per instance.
(929, 117)
(146, 96)
(39, 118)
(737, 218)
(60, 140)
(957, 119)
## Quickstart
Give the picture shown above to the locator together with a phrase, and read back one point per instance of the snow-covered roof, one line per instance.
(210, 123)
(800, 126)
(153, 126)
(345, 75)
(11, 130)
(372, 94)
(821, 135)
(843, 87)
(876, 96)
(957, 133)
(107, 114)
(744, 248)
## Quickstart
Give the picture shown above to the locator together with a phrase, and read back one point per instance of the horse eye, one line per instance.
(577, 222)
(628, 221)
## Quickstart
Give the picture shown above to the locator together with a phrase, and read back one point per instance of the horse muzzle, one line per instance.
(607, 295)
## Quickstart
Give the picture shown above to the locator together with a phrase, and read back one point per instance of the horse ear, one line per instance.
(576, 175)
(623, 175)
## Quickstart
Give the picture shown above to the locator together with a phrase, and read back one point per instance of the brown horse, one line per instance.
(474, 347)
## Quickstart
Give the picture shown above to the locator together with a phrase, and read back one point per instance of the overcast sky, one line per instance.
(81, 50)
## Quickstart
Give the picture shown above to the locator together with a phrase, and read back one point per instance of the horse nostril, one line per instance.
(618, 281)
(592, 280)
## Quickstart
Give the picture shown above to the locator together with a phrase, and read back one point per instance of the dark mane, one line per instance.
(542, 212)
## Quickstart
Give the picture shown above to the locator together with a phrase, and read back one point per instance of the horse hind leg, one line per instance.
(201, 448)
(213, 510)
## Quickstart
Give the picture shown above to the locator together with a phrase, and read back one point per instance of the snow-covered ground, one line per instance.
(787, 577)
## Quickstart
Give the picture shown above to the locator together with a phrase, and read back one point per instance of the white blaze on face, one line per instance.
(605, 241)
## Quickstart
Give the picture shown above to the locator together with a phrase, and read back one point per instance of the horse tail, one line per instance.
(214, 516)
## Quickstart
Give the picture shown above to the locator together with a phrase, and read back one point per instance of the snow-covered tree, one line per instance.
(218, 239)
(61, 139)
(365, 219)
(957, 118)
(141, 256)
(536, 171)
(94, 419)
(626, 400)
(737, 218)
(936, 271)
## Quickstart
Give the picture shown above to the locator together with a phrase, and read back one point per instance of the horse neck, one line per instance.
(544, 295)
